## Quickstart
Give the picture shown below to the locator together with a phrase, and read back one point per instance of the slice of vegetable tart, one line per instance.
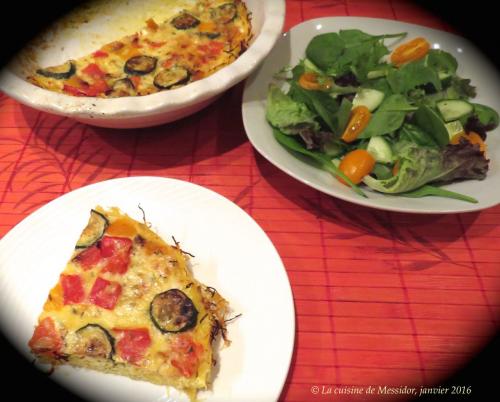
(126, 303)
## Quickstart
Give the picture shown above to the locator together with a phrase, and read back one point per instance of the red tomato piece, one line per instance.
(98, 87)
(116, 251)
(94, 71)
(132, 343)
(46, 339)
(215, 47)
(154, 44)
(136, 80)
(112, 252)
(69, 89)
(100, 53)
(186, 355)
(105, 293)
(72, 286)
(171, 60)
(89, 257)
(151, 24)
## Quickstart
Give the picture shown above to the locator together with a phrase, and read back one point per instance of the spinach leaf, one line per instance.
(441, 61)
(298, 70)
(325, 49)
(383, 122)
(347, 61)
(412, 75)
(343, 115)
(334, 147)
(462, 88)
(487, 116)
(428, 120)
(380, 84)
(323, 160)
(371, 62)
(353, 37)
(396, 102)
(320, 102)
(428, 190)
(415, 135)
(349, 50)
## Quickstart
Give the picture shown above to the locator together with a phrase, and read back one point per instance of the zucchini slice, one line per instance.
(60, 72)
(225, 13)
(94, 230)
(185, 21)
(210, 35)
(93, 340)
(140, 65)
(122, 87)
(166, 79)
(173, 311)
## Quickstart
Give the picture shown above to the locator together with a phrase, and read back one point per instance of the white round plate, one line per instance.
(232, 254)
(288, 52)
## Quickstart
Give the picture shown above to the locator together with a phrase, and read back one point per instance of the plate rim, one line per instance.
(24, 224)
(365, 202)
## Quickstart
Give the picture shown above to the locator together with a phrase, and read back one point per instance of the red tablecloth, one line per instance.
(382, 299)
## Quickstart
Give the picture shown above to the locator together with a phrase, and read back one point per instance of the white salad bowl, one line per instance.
(142, 111)
(290, 49)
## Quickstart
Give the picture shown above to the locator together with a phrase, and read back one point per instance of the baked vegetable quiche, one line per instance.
(127, 304)
(190, 46)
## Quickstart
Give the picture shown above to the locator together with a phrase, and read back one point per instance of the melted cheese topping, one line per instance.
(154, 268)
(214, 35)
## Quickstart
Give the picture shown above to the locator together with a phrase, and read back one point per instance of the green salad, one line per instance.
(400, 122)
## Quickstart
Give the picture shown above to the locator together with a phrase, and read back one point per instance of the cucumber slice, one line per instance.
(371, 98)
(380, 149)
(454, 109)
(454, 128)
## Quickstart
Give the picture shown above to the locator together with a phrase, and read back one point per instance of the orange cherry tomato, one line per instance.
(356, 165)
(456, 138)
(410, 51)
(360, 117)
(475, 138)
(313, 82)
(472, 137)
